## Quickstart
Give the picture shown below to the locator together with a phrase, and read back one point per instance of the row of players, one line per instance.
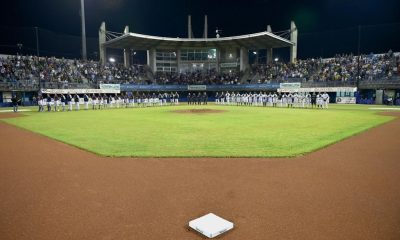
(301, 100)
(65, 102)
(100, 101)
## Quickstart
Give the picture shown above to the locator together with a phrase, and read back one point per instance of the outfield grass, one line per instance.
(238, 132)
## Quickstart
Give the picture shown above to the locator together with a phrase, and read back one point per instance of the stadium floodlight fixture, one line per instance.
(276, 59)
(112, 60)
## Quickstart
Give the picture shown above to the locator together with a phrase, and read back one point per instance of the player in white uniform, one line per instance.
(76, 100)
(319, 100)
(325, 99)
(274, 97)
(56, 103)
(284, 100)
(40, 99)
(295, 100)
(94, 102)
(308, 100)
(69, 102)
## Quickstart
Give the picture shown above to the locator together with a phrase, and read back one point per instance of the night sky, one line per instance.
(317, 20)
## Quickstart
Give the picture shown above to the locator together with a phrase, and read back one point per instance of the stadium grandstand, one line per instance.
(203, 64)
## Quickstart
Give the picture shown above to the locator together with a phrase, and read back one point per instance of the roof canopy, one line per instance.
(262, 40)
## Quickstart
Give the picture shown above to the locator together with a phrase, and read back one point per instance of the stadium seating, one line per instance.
(25, 71)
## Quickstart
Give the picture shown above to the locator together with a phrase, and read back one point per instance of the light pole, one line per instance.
(84, 54)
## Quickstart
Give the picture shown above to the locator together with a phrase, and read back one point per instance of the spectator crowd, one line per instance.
(209, 77)
(340, 68)
(20, 71)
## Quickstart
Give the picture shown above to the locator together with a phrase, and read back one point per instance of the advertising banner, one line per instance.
(217, 88)
(228, 65)
(197, 88)
(346, 100)
(110, 87)
(79, 91)
(290, 85)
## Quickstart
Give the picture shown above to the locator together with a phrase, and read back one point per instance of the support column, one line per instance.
(269, 55)
(190, 32)
(293, 38)
(127, 57)
(218, 59)
(205, 34)
(244, 59)
(151, 59)
(178, 60)
(102, 41)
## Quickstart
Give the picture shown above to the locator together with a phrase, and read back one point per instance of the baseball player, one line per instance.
(86, 101)
(94, 102)
(69, 101)
(63, 100)
(48, 102)
(289, 99)
(274, 99)
(205, 98)
(319, 100)
(76, 100)
(56, 103)
(176, 98)
(325, 99)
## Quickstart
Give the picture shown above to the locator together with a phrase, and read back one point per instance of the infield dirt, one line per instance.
(199, 111)
(349, 190)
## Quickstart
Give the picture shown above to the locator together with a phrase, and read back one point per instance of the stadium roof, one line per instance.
(255, 41)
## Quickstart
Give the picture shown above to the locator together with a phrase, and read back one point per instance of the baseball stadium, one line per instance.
(235, 133)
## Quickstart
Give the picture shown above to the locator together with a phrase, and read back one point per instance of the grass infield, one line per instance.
(236, 132)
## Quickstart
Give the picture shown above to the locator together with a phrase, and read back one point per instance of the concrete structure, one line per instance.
(166, 54)
(293, 38)
(190, 31)
(205, 33)
(102, 41)
(127, 56)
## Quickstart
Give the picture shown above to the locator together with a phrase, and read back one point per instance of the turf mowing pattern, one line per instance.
(236, 132)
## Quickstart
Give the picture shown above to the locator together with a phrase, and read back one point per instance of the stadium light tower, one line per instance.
(84, 54)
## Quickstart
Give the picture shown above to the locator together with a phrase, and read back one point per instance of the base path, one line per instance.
(50, 190)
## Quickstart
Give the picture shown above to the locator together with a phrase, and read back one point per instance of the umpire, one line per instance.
(14, 101)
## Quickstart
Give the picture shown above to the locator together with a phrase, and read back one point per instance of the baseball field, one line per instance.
(296, 173)
(202, 131)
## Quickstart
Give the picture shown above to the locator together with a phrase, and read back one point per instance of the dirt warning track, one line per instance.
(50, 190)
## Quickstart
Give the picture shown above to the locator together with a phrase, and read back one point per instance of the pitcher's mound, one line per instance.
(198, 111)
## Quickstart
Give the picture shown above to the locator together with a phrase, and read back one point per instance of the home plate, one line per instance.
(211, 225)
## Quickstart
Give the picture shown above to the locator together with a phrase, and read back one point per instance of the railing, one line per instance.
(33, 85)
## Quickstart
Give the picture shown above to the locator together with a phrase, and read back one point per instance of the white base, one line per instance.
(210, 225)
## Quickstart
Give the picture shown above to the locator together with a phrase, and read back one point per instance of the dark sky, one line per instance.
(168, 18)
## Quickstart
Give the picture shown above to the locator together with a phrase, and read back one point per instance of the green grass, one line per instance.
(239, 132)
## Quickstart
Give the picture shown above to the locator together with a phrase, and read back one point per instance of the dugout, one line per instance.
(27, 98)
